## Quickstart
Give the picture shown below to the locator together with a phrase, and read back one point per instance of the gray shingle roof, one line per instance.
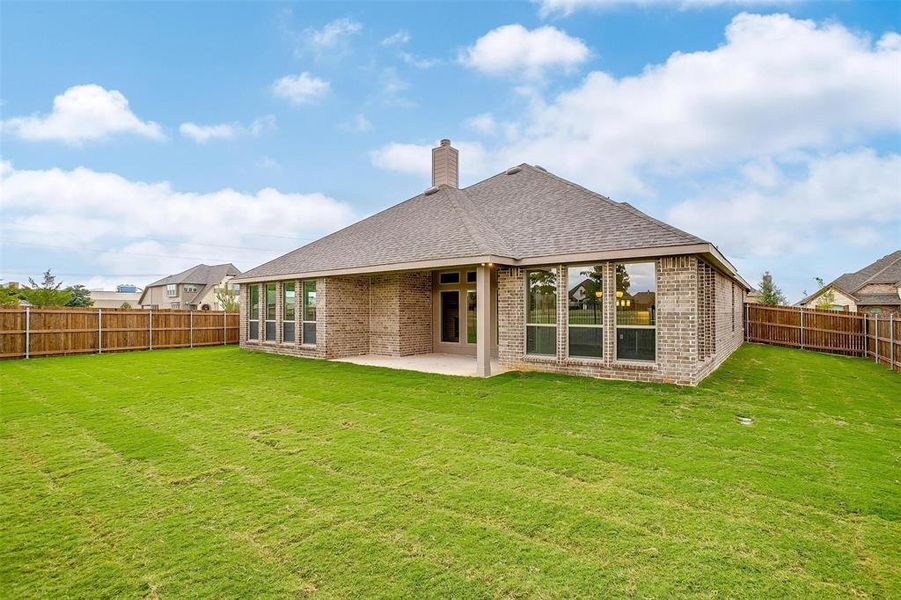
(885, 270)
(528, 214)
(200, 274)
(879, 299)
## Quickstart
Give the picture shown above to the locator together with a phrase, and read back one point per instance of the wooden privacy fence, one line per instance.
(27, 332)
(854, 334)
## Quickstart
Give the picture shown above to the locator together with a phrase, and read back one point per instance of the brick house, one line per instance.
(489, 271)
(874, 289)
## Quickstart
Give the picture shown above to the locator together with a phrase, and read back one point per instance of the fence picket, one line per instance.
(30, 332)
(823, 331)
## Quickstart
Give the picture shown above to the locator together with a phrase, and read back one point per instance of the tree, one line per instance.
(81, 297)
(47, 293)
(9, 295)
(827, 298)
(770, 294)
(125, 305)
(227, 298)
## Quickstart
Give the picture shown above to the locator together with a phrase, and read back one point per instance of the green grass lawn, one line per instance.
(220, 473)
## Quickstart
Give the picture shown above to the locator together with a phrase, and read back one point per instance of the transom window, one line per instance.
(448, 278)
(190, 287)
(585, 300)
(541, 312)
(636, 311)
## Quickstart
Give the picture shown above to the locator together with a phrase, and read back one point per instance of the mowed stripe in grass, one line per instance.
(216, 472)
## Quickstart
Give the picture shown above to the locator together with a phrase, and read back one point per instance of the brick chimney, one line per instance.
(445, 165)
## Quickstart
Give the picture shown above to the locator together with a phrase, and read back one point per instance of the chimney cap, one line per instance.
(445, 142)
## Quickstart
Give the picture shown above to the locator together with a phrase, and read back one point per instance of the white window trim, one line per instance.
(303, 316)
(459, 278)
(250, 312)
(284, 311)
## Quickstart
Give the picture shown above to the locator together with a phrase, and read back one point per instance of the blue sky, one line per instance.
(141, 138)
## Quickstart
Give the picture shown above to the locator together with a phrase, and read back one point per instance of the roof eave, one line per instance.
(709, 251)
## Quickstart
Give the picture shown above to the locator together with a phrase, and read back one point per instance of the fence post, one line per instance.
(891, 335)
(150, 330)
(99, 331)
(27, 332)
(191, 328)
(876, 333)
(802, 327)
(224, 327)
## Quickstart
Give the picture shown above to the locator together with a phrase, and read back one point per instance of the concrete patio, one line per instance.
(442, 363)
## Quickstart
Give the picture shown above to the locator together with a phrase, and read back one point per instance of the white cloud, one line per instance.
(776, 85)
(398, 39)
(226, 131)
(203, 133)
(300, 89)
(417, 159)
(483, 123)
(513, 49)
(567, 7)
(845, 198)
(334, 33)
(417, 61)
(119, 225)
(83, 113)
(358, 124)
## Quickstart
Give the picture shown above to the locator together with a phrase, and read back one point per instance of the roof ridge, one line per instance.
(476, 224)
(619, 205)
(883, 269)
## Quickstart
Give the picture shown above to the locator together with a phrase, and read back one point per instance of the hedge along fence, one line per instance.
(30, 332)
(853, 334)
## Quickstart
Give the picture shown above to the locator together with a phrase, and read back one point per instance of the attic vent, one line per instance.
(540, 168)
(431, 190)
(513, 170)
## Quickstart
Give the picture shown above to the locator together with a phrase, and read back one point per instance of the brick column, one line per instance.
(608, 309)
(562, 309)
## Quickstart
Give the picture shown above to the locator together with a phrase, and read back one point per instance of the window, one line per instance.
(470, 276)
(445, 278)
(270, 312)
(309, 312)
(253, 315)
(585, 300)
(450, 316)
(541, 316)
(170, 290)
(636, 307)
(288, 301)
(190, 287)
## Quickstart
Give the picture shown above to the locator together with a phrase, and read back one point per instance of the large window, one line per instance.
(170, 290)
(253, 315)
(541, 313)
(585, 299)
(270, 312)
(289, 303)
(472, 319)
(309, 312)
(636, 311)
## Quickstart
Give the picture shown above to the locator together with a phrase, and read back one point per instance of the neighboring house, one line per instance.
(486, 271)
(115, 299)
(874, 289)
(754, 296)
(194, 289)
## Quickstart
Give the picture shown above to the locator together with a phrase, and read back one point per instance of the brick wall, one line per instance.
(681, 306)
(388, 314)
